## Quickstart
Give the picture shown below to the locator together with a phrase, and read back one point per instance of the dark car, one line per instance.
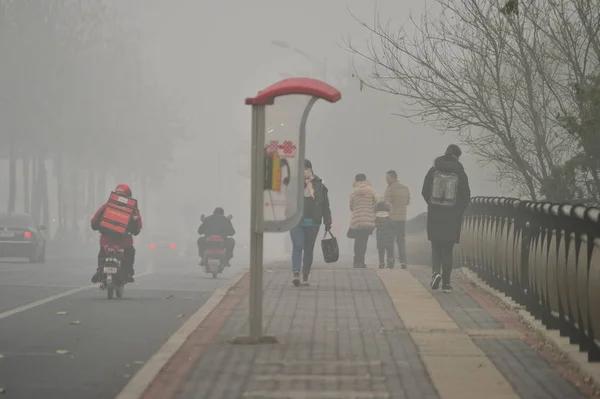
(22, 237)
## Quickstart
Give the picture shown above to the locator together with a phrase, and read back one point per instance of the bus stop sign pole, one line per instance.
(256, 217)
(313, 90)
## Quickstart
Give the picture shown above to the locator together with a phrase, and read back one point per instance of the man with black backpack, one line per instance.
(447, 193)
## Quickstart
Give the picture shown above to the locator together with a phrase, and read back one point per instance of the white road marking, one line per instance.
(144, 377)
(44, 301)
(40, 286)
(18, 270)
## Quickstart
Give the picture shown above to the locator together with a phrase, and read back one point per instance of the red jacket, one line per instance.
(123, 241)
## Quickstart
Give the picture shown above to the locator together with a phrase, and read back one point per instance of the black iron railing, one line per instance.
(545, 256)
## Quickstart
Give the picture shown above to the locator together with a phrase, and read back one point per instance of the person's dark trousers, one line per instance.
(201, 245)
(303, 247)
(128, 259)
(390, 254)
(442, 259)
(400, 234)
(360, 246)
(229, 247)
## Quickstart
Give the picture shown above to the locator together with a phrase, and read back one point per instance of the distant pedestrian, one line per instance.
(304, 236)
(447, 193)
(363, 200)
(398, 196)
(385, 234)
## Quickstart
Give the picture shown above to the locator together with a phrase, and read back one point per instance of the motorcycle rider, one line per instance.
(220, 225)
(124, 241)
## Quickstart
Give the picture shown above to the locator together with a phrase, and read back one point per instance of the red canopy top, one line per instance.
(308, 86)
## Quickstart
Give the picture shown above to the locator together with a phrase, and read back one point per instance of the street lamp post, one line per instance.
(322, 63)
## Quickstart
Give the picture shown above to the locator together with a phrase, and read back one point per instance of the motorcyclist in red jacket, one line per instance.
(124, 241)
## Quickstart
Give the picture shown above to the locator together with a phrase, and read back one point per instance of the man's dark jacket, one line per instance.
(216, 225)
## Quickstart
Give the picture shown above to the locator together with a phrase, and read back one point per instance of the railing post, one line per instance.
(544, 258)
(522, 226)
(592, 229)
(561, 242)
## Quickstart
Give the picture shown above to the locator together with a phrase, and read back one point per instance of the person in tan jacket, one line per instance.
(398, 196)
(363, 201)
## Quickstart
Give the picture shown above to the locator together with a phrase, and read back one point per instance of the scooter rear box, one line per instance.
(118, 213)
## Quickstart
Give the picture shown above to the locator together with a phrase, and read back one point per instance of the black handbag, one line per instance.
(331, 250)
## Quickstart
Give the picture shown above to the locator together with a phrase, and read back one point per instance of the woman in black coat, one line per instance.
(445, 215)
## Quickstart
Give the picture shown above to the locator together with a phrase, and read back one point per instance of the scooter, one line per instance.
(214, 255)
(113, 280)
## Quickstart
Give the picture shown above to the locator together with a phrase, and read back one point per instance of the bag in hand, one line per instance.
(331, 250)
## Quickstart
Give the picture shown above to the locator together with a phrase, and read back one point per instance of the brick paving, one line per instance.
(339, 338)
(463, 309)
(531, 375)
(342, 337)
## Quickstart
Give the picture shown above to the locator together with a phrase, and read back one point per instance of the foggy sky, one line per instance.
(217, 53)
(212, 54)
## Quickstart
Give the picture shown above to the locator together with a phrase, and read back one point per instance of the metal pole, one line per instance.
(219, 173)
(256, 234)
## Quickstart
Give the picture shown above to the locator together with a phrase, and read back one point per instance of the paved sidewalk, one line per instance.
(363, 334)
(531, 366)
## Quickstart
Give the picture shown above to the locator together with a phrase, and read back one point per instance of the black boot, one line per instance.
(296, 280)
(97, 277)
(128, 273)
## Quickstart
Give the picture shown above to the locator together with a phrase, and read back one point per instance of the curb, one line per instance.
(561, 344)
(146, 375)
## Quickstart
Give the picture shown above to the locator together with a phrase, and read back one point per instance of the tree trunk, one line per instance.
(36, 192)
(12, 175)
(91, 192)
(75, 194)
(45, 201)
(58, 172)
(101, 188)
(144, 190)
(144, 194)
(26, 164)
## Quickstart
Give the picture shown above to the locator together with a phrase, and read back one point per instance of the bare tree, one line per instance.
(572, 27)
(473, 70)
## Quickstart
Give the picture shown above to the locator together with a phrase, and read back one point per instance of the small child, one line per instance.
(385, 234)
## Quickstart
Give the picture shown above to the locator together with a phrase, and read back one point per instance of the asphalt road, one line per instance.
(93, 350)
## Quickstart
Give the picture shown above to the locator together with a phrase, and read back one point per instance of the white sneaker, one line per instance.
(446, 288)
(435, 281)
